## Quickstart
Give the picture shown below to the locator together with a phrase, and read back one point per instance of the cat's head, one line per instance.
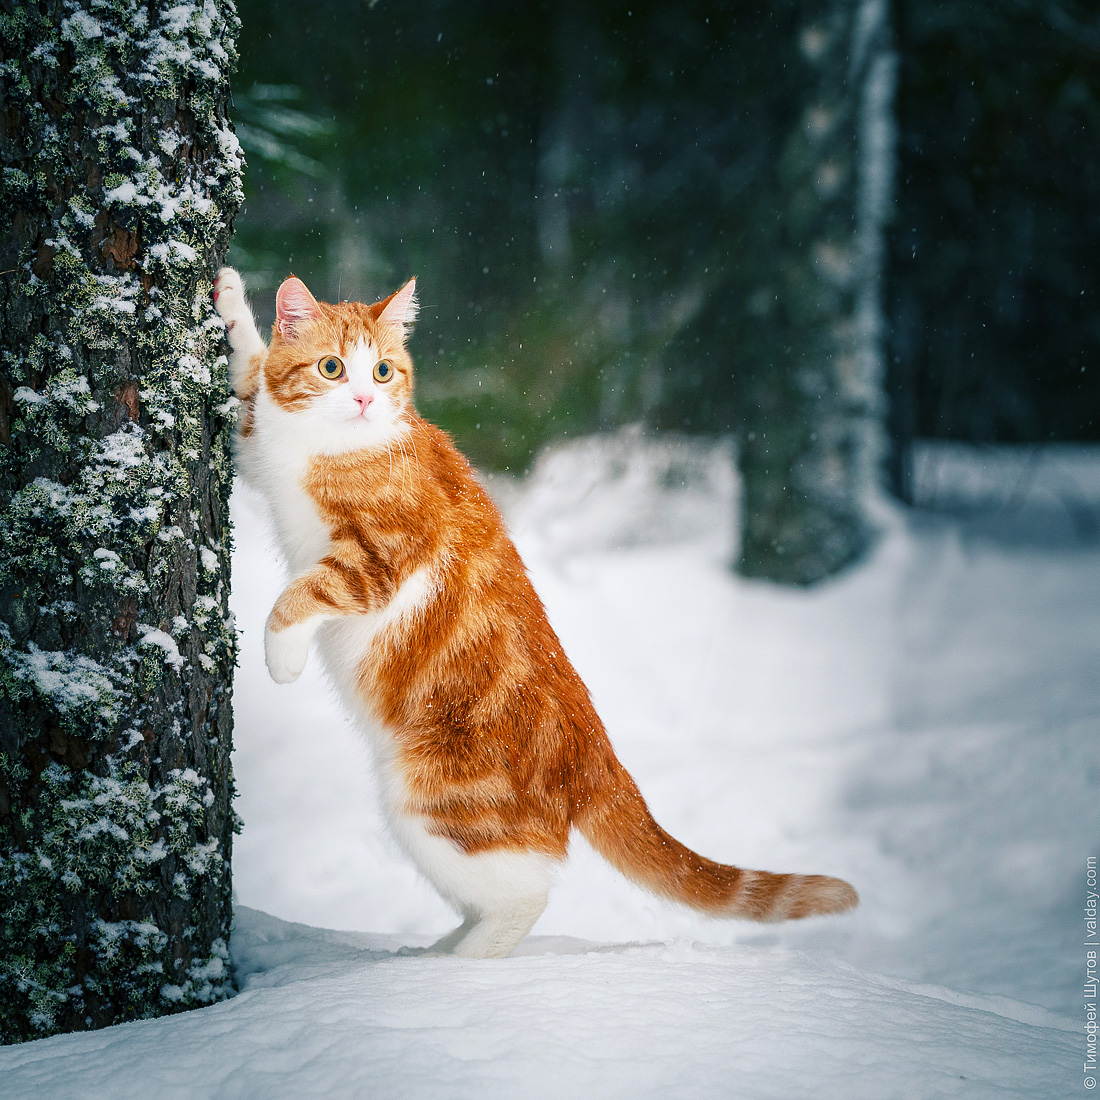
(342, 369)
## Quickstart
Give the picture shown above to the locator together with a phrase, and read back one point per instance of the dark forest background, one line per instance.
(576, 187)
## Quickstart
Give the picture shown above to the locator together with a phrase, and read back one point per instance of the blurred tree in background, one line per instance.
(615, 214)
(803, 309)
(993, 291)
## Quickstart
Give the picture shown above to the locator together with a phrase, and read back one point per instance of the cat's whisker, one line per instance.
(399, 439)
(389, 451)
(412, 461)
(414, 458)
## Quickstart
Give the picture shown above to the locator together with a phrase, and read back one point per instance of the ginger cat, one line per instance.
(488, 744)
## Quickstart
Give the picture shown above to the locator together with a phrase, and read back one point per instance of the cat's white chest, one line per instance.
(275, 459)
(303, 535)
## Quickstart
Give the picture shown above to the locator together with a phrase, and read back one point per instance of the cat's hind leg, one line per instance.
(501, 892)
(245, 343)
(496, 933)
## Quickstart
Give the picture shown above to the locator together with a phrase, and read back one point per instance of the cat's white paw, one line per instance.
(286, 652)
(240, 328)
(229, 301)
(229, 294)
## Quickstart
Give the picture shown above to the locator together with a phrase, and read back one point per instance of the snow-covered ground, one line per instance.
(925, 726)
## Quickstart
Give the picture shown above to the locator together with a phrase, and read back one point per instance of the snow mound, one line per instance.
(625, 489)
(341, 1015)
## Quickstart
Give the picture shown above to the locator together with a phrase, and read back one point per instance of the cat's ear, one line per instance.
(294, 306)
(399, 309)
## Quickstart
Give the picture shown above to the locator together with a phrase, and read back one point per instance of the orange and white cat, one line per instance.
(489, 748)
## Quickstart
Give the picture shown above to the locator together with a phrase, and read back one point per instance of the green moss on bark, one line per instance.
(120, 178)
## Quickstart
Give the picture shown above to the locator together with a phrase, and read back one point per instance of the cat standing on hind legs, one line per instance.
(489, 748)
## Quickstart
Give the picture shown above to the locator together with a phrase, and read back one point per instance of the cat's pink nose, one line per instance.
(363, 400)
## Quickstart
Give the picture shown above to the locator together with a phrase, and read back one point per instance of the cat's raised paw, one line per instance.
(240, 328)
(286, 652)
(228, 290)
(229, 301)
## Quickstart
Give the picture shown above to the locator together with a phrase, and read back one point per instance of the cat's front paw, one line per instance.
(229, 294)
(286, 651)
(240, 329)
(229, 301)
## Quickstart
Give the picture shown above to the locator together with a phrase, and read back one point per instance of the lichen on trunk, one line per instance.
(121, 177)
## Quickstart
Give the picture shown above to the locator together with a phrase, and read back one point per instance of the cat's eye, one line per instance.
(383, 370)
(330, 368)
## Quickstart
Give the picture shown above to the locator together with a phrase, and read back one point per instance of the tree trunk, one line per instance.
(812, 397)
(120, 180)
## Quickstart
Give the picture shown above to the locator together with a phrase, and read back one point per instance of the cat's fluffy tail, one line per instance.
(618, 824)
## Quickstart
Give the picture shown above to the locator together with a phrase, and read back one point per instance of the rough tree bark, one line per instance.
(120, 179)
(811, 410)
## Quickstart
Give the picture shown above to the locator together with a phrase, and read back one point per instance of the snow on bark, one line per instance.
(120, 177)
